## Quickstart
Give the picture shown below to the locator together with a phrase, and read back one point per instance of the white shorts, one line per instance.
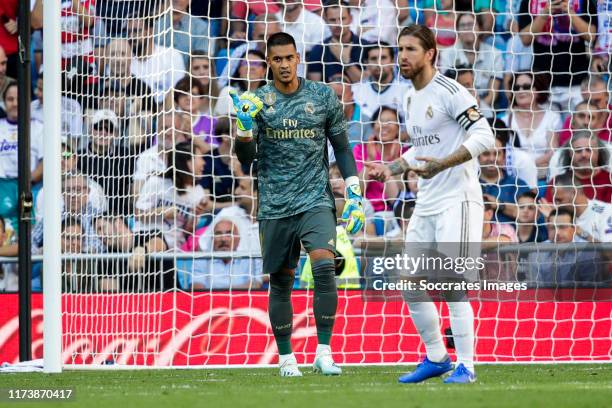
(462, 222)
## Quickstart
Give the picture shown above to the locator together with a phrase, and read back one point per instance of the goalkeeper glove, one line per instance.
(247, 106)
(353, 215)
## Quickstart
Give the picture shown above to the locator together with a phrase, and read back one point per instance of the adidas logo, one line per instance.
(331, 242)
(271, 109)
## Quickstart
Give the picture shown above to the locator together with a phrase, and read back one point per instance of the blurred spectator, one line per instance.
(440, 17)
(136, 272)
(251, 75)
(220, 167)
(375, 20)
(382, 146)
(9, 279)
(9, 35)
(485, 60)
(518, 162)
(76, 276)
(263, 26)
(5, 80)
(594, 90)
(177, 28)
(381, 86)
(77, 22)
(564, 268)
(494, 18)
(72, 114)
(173, 203)
(188, 96)
(530, 222)
(464, 74)
(109, 164)
(534, 124)
(352, 111)
(587, 116)
(158, 66)
(241, 8)
(225, 235)
(203, 69)
(8, 139)
(307, 28)
(338, 190)
(600, 58)
(589, 159)
(76, 203)
(172, 129)
(494, 235)
(593, 218)
(500, 188)
(342, 52)
(8, 154)
(559, 31)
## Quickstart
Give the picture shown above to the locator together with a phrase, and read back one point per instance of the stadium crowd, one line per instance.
(147, 127)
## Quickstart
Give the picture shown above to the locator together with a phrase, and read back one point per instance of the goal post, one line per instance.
(52, 264)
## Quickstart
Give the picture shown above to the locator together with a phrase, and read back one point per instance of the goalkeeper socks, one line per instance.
(325, 298)
(427, 322)
(462, 325)
(280, 310)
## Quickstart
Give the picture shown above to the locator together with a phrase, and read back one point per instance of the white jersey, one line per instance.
(369, 99)
(596, 220)
(439, 118)
(161, 71)
(8, 147)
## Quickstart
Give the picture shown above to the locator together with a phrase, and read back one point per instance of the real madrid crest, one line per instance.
(270, 98)
(429, 112)
(473, 114)
(309, 108)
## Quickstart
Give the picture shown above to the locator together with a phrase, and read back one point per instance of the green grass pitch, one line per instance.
(551, 385)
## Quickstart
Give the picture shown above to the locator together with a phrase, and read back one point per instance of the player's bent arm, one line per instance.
(245, 147)
(480, 139)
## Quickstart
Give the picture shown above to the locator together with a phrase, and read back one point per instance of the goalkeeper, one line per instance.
(285, 125)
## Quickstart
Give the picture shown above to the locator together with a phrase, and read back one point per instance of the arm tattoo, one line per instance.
(399, 166)
(461, 155)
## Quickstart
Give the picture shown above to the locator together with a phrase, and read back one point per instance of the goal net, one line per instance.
(161, 260)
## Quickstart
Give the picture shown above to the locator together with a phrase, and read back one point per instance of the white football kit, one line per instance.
(440, 118)
(596, 220)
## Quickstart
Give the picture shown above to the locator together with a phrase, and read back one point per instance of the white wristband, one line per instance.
(351, 181)
(244, 134)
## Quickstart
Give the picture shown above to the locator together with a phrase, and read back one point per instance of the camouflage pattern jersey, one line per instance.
(291, 133)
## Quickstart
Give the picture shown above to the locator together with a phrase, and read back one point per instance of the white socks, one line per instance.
(462, 325)
(427, 322)
(282, 358)
(323, 348)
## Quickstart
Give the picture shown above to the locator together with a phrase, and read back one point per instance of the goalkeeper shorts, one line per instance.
(281, 237)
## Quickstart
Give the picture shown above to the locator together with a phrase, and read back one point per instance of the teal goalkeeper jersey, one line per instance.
(291, 132)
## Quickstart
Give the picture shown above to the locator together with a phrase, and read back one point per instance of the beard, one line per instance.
(416, 71)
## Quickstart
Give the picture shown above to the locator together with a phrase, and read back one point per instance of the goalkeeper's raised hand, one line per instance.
(247, 106)
(353, 215)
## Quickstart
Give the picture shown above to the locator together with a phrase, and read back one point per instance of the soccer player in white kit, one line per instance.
(447, 132)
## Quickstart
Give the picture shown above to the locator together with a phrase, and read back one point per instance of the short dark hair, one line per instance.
(426, 37)
(383, 108)
(327, 4)
(557, 211)
(458, 71)
(567, 179)
(280, 38)
(184, 86)
(223, 126)
(528, 194)
(381, 45)
(178, 160)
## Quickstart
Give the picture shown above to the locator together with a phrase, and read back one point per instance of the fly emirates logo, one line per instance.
(290, 131)
(419, 139)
